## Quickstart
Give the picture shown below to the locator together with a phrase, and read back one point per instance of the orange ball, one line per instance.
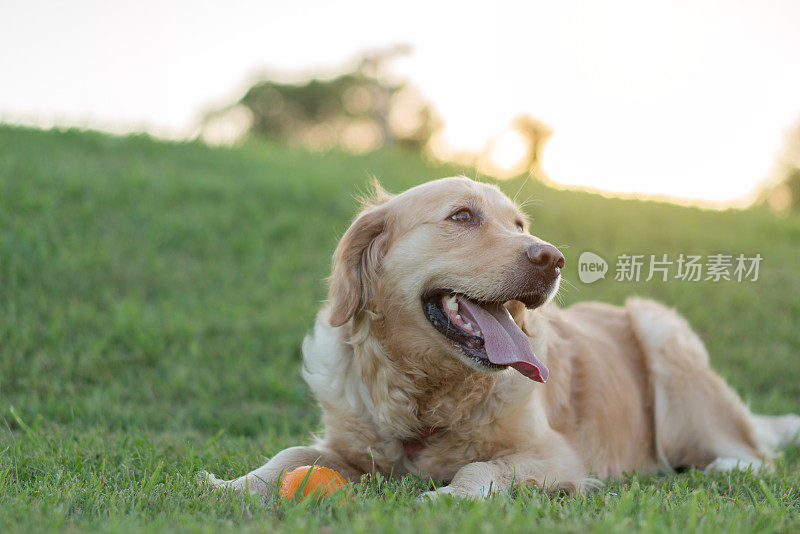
(322, 481)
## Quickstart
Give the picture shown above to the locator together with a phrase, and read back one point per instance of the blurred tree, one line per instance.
(785, 194)
(535, 134)
(358, 111)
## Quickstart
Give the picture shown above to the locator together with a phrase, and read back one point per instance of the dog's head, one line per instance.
(438, 267)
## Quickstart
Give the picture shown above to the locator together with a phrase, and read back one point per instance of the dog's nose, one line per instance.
(545, 256)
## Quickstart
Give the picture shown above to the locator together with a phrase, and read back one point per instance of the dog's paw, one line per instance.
(435, 495)
(588, 485)
(206, 479)
(725, 465)
(473, 494)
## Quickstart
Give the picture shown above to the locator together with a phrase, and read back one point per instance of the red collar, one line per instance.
(413, 447)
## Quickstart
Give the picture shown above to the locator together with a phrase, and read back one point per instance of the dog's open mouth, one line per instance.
(484, 331)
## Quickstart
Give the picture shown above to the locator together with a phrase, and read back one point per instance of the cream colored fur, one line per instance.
(630, 387)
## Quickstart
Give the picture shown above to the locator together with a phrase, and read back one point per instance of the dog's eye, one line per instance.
(520, 227)
(462, 216)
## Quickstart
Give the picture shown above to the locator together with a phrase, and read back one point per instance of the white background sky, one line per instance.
(690, 99)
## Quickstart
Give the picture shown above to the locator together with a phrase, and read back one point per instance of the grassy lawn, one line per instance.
(153, 298)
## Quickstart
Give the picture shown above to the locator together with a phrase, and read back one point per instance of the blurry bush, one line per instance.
(358, 111)
(784, 192)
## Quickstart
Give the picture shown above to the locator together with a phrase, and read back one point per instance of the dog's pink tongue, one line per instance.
(505, 342)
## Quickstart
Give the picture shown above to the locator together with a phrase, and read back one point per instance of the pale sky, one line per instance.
(690, 99)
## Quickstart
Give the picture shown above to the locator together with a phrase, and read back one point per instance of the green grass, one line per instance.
(153, 298)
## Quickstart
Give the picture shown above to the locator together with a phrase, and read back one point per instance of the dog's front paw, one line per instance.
(725, 465)
(435, 495)
(472, 493)
(206, 479)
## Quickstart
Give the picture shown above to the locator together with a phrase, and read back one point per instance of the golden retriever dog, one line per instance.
(440, 354)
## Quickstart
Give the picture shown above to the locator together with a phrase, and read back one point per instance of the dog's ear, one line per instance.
(357, 258)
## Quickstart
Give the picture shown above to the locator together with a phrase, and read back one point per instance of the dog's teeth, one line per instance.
(451, 303)
(478, 333)
(458, 317)
(468, 326)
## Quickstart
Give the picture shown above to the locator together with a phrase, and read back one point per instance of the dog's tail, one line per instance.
(777, 431)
